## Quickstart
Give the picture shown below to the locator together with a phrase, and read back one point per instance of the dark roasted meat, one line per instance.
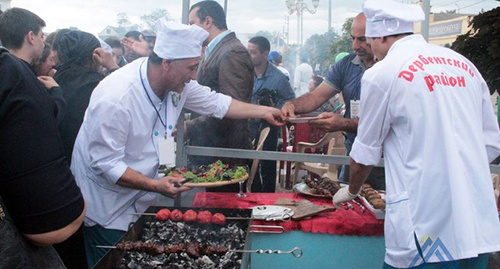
(323, 186)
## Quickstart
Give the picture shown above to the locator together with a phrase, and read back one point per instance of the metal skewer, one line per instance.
(296, 251)
(272, 217)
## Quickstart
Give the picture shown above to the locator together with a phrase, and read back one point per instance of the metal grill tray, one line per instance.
(113, 258)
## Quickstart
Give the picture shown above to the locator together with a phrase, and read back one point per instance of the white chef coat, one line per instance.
(121, 129)
(303, 74)
(437, 146)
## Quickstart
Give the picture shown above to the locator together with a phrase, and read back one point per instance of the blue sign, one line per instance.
(437, 248)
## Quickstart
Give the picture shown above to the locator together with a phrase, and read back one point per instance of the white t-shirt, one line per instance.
(303, 74)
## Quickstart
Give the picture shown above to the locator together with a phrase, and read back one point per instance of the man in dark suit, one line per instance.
(226, 68)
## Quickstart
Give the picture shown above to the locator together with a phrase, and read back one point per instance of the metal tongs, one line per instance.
(296, 251)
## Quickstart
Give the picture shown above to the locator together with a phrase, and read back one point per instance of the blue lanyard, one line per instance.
(151, 101)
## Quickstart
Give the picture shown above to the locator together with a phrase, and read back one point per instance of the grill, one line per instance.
(233, 235)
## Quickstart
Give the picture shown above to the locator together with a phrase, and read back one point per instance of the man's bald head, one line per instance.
(359, 44)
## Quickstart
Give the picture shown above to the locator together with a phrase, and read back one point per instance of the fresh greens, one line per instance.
(217, 171)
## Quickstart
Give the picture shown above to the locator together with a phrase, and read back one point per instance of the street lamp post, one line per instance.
(299, 6)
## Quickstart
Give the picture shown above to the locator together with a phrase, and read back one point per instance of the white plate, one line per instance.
(271, 212)
(377, 213)
(302, 120)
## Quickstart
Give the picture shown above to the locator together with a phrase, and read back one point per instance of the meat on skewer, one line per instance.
(192, 249)
(163, 214)
(190, 216)
(205, 217)
(176, 215)
(219, 219)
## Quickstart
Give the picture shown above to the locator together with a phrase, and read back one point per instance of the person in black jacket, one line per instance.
(78, 76)
(36, 185)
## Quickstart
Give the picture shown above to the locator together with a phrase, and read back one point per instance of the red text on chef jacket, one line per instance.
(439, 79)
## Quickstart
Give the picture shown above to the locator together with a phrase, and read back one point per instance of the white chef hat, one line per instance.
(178, 41)
(386, 17)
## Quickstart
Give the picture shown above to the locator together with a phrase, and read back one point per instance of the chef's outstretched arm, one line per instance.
(133, 179)
(242, 110)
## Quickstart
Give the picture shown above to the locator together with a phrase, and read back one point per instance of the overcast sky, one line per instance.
(244, 16)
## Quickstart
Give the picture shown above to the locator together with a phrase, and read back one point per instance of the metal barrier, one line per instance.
(183, 151)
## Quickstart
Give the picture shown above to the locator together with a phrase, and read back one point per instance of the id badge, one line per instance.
(355, 109)
(166, 147)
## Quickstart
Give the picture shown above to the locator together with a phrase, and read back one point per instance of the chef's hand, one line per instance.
(104, 58)
(274, 117)
(48, 82)
(329, 122)
(288, 110)
(166, 186)
(343, 195)
(140, 47)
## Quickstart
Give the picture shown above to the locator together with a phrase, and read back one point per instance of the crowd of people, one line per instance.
(83, 122)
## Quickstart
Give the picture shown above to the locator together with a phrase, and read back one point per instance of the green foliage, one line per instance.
(150, 19)
(344, 43)
(317, 46)
(481, 45)
(122, 19)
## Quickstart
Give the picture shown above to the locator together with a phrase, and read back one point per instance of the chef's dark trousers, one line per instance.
(98, 236)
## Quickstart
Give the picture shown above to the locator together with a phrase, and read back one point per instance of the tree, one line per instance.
(481, 45)
(150, 19)
(344, 43)
(317, 46)
(122, 19)
(265, 34)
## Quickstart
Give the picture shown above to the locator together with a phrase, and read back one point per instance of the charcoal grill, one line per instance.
(114, 257)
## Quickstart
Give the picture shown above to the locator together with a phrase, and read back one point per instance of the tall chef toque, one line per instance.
(178, 41)
(386, 17)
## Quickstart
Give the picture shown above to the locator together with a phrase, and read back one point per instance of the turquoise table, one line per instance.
(330, 250)
(319, 251)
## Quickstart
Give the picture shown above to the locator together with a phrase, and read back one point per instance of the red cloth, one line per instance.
(340, 222)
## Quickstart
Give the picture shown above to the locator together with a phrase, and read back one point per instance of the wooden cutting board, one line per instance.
(303, 208)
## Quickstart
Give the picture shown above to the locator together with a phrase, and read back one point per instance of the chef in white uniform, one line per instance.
(428, 110)
(130, 114)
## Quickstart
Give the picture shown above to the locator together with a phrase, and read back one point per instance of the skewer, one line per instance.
(296, 251)
(143, 214)
(286, 217)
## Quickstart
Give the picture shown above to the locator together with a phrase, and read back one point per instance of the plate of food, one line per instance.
(303, 119)
(208, 176)
(321, 188)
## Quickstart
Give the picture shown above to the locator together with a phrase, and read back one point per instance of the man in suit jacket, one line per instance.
(226, 68)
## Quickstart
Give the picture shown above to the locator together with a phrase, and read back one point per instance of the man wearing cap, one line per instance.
(344, 76)
(428, 110)
(131, 114)
(275, 58)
